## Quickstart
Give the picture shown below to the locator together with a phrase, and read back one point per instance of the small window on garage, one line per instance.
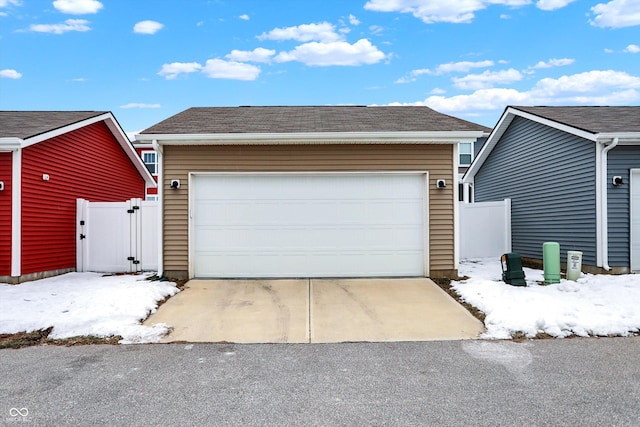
(465, 150)
(150, 159)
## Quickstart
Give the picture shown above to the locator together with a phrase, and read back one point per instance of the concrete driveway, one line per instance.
(315, 311)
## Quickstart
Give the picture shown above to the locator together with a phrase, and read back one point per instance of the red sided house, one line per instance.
(48, 159)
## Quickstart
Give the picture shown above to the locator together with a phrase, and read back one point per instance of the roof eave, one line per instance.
(445, 137)
(10, 144)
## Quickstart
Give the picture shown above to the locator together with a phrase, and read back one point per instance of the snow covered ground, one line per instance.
(595, 305)
(77, 304)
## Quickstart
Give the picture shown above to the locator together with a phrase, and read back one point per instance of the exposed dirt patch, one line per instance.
(41, 337)
(445, 285)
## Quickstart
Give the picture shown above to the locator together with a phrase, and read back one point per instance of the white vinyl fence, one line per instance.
(485, 229)
(117, 237)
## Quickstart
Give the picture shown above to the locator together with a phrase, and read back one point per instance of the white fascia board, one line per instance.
(505, 120)
(65, 129)
(313, 138)
(10, 144)
(624, 138)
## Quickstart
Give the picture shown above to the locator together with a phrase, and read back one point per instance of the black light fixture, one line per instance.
(175, 184)
(617, 180)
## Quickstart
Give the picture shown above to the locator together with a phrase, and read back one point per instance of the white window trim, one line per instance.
(155, 154)
(472, 144)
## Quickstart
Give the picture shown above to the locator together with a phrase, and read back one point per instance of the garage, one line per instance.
(251, 225)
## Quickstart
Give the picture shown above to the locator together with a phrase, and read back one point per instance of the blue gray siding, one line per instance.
(549, 175)
(621, 159)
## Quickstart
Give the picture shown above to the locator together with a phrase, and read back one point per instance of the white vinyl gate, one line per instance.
(117, 237)
(485, 229)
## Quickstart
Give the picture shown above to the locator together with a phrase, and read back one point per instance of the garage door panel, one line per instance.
(212, 214)
(317, 264)
(307, 225)
(292, 238)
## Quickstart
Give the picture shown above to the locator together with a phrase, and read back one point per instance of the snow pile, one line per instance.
(78, 304)
(595, 305)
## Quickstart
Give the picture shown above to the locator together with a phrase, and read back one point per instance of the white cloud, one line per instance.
(147, 27)
(77, 7)
(353, 20)
(80, 25)
(220, 69)
(487, 79)
(632, 48)
(244, 17)
(552, 4)
(259, 54)
(171, 71)
(6, 3)
(461, 67)
(589, 88)
(556, 62)
(336, 53)
(616, 14)
(322, 32)
(450, 67)
(139, 105)
(10, 74)
(432, 11)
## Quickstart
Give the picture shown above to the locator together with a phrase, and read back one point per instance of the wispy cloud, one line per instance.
(80, 25)
(213, 68)
(487, 79)
(244, 17)
(10, 74)
(450, 67)
(139, 105)
(77, 7)
(173, 70)
(616, 14)
(556, 62)
(147, 27)
(322, 32)
(256, 55)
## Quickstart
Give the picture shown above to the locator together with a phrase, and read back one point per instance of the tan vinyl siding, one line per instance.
(437, 159)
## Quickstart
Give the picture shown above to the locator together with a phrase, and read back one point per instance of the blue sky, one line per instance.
(146, 60)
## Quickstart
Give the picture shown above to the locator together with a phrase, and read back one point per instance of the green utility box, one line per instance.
(512, 272)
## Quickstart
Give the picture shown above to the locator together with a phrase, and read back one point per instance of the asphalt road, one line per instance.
(571, 382)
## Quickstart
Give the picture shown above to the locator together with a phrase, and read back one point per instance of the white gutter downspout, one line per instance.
(604, 223)
(160, 172)
(16, 213)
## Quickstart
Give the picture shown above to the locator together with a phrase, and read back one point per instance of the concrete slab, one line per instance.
(241, 311)
(376, 310)
(316, 310)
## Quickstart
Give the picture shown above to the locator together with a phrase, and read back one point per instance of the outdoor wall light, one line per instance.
(617, 180)
(175, 184)
(441, 183)
(1, 185)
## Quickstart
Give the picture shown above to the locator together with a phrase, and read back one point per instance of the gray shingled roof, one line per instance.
(591, 119)
(27, 124)
(304, 119)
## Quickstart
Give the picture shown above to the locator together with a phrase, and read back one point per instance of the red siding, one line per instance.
(87, 163)
(5, 214)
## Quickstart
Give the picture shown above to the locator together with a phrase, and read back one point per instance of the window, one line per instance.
(465, 150)
(153, 198)
(151, 161)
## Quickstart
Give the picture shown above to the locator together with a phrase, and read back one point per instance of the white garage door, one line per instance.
(304, 225)
(635, 220)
